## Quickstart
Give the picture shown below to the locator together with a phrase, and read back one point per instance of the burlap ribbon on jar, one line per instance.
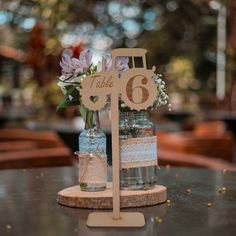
(138, 152)
(92, 168)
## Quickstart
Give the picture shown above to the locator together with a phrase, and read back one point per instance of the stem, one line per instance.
(96, 119)
(88, 125)
(95, 122)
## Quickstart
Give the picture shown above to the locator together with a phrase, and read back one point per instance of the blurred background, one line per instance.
(192, 43)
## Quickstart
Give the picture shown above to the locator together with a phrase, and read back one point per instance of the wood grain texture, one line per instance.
(74, 197)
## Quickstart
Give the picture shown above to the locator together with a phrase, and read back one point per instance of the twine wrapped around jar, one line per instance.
(92, 169)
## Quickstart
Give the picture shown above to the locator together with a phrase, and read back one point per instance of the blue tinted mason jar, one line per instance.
(92, 158)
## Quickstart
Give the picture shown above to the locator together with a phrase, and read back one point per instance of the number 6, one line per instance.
(138, 88)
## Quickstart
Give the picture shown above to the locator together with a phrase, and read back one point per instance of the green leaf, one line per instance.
(90, 118)
(83, 111)
(72, 91)
(75, 93)
(67, 103)
(87, 115)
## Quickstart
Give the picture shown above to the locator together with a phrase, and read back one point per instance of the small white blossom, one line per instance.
(162, 98)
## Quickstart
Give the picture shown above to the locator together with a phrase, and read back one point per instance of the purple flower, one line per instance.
(71, 66)
(121, 63)
(108, 62)
(85, 60)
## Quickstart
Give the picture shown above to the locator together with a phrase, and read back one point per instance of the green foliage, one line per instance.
(71, 97)
(67, 103)
(86, 114)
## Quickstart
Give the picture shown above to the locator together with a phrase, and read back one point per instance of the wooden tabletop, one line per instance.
(198, 205)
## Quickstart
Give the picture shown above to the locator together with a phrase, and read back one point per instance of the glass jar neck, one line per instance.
(134, 115)
(128, 115)
(141, 115)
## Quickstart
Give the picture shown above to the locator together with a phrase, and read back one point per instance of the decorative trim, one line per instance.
(138, 152)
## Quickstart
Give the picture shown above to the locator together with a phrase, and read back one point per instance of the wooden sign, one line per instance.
(138, 91)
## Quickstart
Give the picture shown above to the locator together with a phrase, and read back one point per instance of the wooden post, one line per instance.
(115, 155)
(138, 82)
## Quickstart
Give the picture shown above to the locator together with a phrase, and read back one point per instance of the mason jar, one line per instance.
(138, 151)
(92, 158)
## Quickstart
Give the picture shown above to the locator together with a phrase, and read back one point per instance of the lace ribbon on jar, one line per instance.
(138, 152)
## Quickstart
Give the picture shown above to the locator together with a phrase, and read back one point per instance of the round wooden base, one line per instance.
(74, 197)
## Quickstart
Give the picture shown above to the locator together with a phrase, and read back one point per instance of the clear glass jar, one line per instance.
(92, 158)
(138, 151)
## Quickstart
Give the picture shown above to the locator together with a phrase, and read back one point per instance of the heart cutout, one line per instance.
(94, 99)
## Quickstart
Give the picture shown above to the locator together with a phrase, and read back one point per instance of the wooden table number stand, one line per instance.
(138, 90)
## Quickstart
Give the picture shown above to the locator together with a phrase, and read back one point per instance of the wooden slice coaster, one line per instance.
(74, 197)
